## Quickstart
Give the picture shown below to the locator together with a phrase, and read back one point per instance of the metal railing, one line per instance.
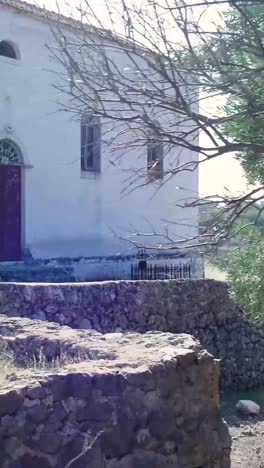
(160, 272)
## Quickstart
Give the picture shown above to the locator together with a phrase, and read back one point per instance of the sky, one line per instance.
(215, 176)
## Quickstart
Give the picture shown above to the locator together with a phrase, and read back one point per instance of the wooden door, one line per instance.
(10, 213)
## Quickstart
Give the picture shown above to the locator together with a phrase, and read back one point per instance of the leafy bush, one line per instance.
(245, 270)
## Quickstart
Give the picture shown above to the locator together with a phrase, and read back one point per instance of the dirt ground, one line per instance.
(248, 441)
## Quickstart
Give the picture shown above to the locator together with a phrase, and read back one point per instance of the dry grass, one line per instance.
(7, 362)
(39, 363)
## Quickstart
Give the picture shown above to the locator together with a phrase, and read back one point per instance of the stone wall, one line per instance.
(201, 308)
(129, 401)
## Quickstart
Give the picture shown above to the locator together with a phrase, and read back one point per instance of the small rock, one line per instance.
(12, 377)
(40, 315)
(51, 309)
(143, 437)
(35, 391)
(248, 432)
(13, 447)
(248, 407)
(85, 324)
(30, 403)
(170, 447)
(62, 319)
(10, 402)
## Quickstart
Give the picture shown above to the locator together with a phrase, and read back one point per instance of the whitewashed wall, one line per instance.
(67, 214)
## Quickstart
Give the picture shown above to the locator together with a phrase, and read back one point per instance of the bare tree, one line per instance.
(164, 87)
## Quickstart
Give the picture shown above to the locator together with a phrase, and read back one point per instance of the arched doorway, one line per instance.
(10, 201)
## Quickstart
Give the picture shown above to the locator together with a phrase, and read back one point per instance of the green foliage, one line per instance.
(245, 269)
(253, 215)
(241, 54)
(238, 63)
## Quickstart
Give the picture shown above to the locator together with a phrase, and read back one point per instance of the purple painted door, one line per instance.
(10, 213)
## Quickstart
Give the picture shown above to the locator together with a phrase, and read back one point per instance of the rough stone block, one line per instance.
(129, 401)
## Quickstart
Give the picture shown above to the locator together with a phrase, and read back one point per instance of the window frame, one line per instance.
(89, 122)
(155, 165)
(15, 54)
(13, 152)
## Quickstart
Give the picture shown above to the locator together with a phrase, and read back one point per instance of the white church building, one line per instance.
(58, 203)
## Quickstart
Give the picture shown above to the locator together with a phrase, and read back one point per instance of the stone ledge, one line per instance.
(111, 351)
(148, 400)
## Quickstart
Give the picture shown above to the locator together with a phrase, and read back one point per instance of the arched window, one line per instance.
(10, 153)
(7, 50)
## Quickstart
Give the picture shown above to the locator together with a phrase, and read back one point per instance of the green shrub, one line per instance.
(244, 266)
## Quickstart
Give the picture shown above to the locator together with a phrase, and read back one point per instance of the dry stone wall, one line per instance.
(132, 401)
(201, 308)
